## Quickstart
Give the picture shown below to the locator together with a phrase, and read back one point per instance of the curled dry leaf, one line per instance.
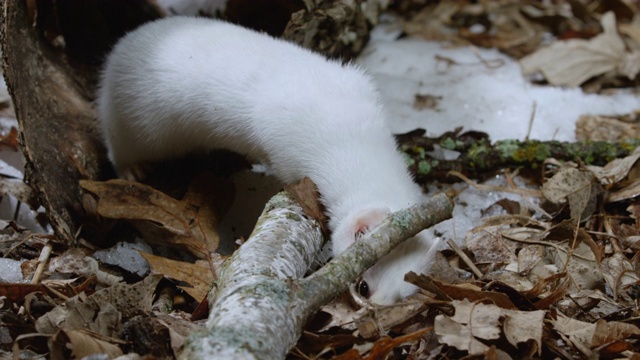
(576, 187)
(199, 276)
(20, 190)
(85, 343)
(618, 169)
(572, 62)
(619, 273)
(179, 329)
(607, 128)
(75, 262)
(473, 321)
(189, 223)
(483, 244)
(586, 336)
(386, 317)
(529, 257)
(383, 346)
(101, 312)
(581, 264)
(306, 194)
(622, 175)
(459, 291)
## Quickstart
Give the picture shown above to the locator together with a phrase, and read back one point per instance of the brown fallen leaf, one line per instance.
(586, 336)
(17, 292)
(102, 311)
(10, 140)
(383, 346)
(74, 262)
(459, 291)
(306, 194)
(577, 188)
(199, 276)
(20, 190)
(572, 62)
(619, 273)
(84, 343)
(618, 169)
(474, 321)
(384, 318)
(606, 128)
(189, 223)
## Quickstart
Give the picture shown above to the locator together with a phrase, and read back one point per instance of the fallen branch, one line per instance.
(261, 301)
(474, 155)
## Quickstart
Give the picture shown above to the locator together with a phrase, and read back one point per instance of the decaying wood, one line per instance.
(58, 134)
(261, 301)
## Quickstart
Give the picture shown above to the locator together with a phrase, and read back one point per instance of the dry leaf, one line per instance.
(483, 319)
(198, 275)
(576, 187)
(473, 321)
(466, 291)
(85, 343)
(529, 257)
(306, 194)
(189, 224)
(606, 332)
(586, 336)
(73, 261)
(578, 332)
(616, 170)
(619, 273)
(581, 266)
(102, 311)
(522, 326)
(384, 318)
(457, 335)
(20, 190)
(605, 128)
(572, 62)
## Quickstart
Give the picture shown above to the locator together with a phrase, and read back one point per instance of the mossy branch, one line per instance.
(478, 157)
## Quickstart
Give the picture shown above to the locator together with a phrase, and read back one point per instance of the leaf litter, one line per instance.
(552, 274)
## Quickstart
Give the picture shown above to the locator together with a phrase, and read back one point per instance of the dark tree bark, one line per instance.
(58, 132)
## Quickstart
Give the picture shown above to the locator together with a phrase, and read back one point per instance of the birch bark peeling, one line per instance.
(261, 301)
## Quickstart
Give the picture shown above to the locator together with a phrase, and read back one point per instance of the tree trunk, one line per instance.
(58, 130)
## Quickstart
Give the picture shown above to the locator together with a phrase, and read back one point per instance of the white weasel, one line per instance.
(181, 84)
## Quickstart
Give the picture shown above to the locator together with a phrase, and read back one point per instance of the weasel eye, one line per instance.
(363, 288)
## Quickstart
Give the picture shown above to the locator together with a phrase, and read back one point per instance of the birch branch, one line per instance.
(261, 301)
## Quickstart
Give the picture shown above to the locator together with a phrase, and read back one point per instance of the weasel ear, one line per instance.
(368, 219)
(355, 225)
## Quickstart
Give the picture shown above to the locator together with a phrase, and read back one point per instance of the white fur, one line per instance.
(182, 84)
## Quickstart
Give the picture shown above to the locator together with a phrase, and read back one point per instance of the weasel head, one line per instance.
(384, 283)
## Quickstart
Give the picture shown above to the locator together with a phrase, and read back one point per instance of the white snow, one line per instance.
(492, 96)
(10, 271)
(126, 256)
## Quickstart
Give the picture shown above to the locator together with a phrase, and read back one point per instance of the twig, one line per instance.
(464, 257)
(43, 259)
